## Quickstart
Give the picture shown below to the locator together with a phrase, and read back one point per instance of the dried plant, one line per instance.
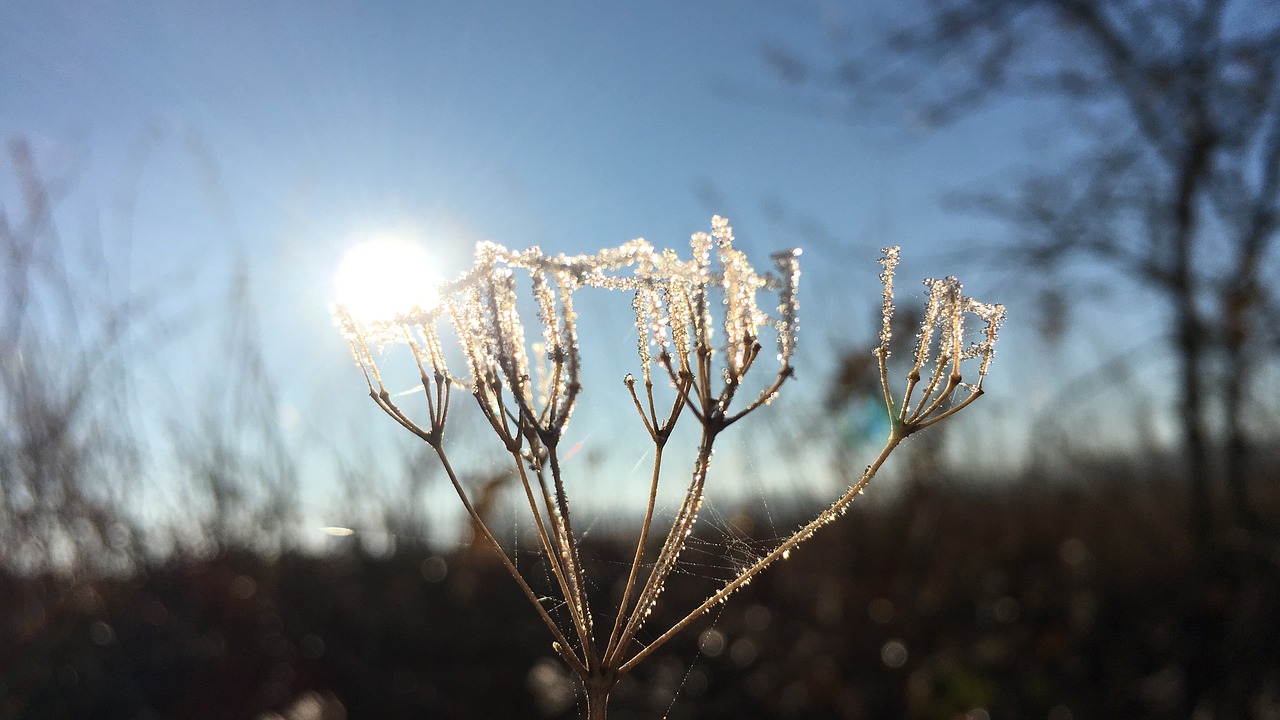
(677, 303)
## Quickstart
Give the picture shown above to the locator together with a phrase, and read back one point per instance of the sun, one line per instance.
(384, 276)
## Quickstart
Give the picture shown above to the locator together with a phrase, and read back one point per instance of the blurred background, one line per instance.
(202, 516)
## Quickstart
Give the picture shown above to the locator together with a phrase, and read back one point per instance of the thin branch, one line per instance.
(562, 646)
(639, 556)
(783, 550)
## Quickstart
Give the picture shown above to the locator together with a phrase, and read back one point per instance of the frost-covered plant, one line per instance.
(681, 306)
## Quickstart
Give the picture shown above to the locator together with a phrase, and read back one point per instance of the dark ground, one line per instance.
(1025, 601)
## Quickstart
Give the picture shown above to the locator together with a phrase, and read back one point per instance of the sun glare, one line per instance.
(382, 277)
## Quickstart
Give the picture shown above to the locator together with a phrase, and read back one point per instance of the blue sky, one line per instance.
(285, 132)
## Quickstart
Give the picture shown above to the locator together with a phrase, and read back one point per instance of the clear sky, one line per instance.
(285, 132)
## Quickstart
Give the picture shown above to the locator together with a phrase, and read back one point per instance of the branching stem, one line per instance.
(804, 533)
(561, 644)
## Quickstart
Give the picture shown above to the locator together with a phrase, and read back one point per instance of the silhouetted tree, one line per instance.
(1174, 184)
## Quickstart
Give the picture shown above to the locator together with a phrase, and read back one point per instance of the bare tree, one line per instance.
(1176, 105)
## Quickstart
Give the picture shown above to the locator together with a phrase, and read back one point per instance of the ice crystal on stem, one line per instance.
(940, 343)
(675, 302)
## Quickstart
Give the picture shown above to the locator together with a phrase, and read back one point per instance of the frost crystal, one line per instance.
(672, 301)
(888, 261)
(940, 350)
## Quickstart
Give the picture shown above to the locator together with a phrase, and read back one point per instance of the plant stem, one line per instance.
(597, 694)
(548, 549)
(578, 604)
(639, 557)
(561, 644)
(675, 541)
(804, 533)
